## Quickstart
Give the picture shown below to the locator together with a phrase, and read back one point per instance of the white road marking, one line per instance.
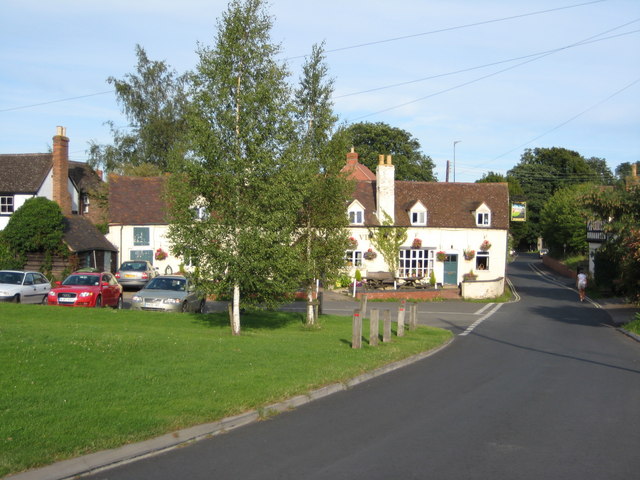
(481, 319)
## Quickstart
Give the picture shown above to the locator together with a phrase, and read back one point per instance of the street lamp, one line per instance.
(454, 159)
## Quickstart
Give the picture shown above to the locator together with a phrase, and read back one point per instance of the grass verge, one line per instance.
(634, 325)
(76, 381)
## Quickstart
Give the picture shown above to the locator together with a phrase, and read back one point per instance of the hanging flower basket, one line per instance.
(353, 242)
(469, 254)
(417, 243)
(469, 276)
(369, 254)
(160, 254)
(486, 245)
(441, 256)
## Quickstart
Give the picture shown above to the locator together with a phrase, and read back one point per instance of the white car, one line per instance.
(23, 286)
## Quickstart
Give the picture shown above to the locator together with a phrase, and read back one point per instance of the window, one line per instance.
(419, 218)
(416, 262)
(356, 217)
(353, 258)
(483, 219)
(85, 203)
(140, 236)
(482, 261)
(142, 255)
(200, 213)
(6, 204)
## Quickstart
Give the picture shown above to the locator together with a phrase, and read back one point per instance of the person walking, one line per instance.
(581, 283)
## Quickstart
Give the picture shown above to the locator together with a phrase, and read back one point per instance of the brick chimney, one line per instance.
(61, 170)
(385, 189)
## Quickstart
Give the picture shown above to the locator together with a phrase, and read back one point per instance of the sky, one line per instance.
(476, 82)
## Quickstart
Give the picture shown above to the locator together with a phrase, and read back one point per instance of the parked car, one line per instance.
(169, 293)
(23, 286)
(543, 252)
(87, 289)
(136, 273)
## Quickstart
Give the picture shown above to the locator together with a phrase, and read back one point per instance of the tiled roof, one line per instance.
(359, 172)
(136, 200)
(23, 173)
(449, 205)
(81, 235)
(84, 176)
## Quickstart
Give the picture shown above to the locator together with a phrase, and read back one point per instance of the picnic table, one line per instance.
(379, 280)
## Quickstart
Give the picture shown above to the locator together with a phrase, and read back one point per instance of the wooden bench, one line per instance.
(379, 280)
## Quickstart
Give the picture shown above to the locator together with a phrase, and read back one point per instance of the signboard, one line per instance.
(519, 212)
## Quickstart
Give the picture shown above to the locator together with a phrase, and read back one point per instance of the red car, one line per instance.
(87, 289)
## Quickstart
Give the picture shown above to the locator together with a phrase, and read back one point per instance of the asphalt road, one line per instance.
(541, 388)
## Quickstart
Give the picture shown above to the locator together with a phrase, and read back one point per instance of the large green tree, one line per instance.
(619, 208)
(543, 171)
(373, 139)
(563, 219)
(241, 129)
(324, 191)
(154, 101)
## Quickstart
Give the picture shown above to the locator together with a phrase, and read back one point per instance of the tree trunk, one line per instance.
(235, 320)
(311, 318)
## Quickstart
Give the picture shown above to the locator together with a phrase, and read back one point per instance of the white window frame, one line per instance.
(482, 258)
(356, 216)
(483, 219)
(353, 257)
(85, 203)
(416, 262)
(418, 217)
(7, 204)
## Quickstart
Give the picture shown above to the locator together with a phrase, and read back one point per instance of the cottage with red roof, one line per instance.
(452, 228)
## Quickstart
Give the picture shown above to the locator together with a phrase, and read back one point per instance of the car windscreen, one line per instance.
(12, 278)
(174, 284)
(82, 280)
(133, 266)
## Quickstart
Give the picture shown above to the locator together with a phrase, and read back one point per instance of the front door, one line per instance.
(451, 269)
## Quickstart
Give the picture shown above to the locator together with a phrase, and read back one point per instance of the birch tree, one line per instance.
(240, 180)
(324, 191)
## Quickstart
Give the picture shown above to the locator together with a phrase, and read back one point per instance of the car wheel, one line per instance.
(185, 307)
(119, 303)
(44, 300)
(99, 302)
(16, 298)
(201, 307)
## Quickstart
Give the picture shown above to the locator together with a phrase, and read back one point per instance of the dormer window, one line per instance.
(418, 214)
(356, 213)
(483, 216)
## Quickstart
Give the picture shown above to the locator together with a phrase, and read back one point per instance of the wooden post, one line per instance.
(401, 309)
(363, 305)
(374, 328)
(356, 340)
(386, 333)
(413, 319)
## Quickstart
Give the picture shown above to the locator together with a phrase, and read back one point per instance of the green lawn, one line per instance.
(76, 381)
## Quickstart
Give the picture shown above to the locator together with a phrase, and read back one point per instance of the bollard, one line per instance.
(386, 333)
(401, 309)
(413, 318)
(356, 340)
(374, 328)
(363, 305)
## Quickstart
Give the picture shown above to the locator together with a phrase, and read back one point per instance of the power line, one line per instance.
(469, 69)
(560, 125)
(464, 84)
(448, 29)
(55, 101)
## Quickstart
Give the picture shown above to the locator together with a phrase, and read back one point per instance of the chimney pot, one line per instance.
(389, 160)
(380, 159)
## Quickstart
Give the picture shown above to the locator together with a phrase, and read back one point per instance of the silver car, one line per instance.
(23, 286)
(135, 273)
(169, 293)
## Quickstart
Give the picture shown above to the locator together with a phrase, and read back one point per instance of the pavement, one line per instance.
(452, 315)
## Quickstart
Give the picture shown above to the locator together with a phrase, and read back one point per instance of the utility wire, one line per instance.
(347, 48)
(478, 67)
(560, 125)
(448, 29)
(497, 72)
(55, 101)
